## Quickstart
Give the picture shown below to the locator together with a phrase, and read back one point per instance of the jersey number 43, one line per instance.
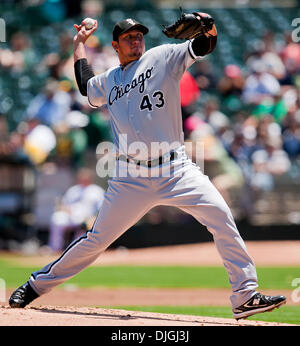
(156, 100)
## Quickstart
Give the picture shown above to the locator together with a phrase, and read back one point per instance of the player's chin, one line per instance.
(135, 56)
(137, 52)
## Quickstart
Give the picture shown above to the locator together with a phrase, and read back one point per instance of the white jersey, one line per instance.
(143, 98)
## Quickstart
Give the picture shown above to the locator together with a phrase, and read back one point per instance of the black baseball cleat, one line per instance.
(22, 296)
(257, 304)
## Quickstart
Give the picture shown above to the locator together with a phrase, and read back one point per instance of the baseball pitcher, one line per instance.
(143, 98)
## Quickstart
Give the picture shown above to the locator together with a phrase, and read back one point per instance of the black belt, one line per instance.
(150, 163)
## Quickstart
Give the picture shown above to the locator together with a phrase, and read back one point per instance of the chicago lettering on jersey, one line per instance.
(119, 91)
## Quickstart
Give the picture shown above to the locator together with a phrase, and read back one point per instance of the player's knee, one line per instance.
(98, 241)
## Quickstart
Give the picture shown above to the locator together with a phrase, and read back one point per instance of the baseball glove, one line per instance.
(191, 25)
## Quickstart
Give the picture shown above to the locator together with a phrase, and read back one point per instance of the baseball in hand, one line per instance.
(89, 23)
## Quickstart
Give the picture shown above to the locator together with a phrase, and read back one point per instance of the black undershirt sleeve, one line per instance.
(83, 72)
(203, 45)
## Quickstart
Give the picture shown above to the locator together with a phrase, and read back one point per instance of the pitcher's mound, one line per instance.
(84, 316)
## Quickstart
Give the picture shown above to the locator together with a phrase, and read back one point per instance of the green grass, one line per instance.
(286, 314)
(156, 276)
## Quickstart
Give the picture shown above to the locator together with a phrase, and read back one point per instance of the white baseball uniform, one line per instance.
(143, 99)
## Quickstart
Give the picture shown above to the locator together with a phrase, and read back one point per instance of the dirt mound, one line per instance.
(67, 316)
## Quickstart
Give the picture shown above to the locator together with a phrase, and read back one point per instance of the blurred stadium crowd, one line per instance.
(242, 102)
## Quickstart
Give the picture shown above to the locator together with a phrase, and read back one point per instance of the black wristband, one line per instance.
(83, 72)
(203, 45)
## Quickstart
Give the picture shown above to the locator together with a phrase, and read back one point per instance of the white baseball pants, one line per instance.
(128, 199)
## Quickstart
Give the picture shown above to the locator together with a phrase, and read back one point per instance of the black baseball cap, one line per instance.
(126, 25)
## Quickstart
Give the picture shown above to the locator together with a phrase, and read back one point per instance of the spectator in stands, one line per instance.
(218, 121)
(39, 141)
(260, 84)
(11, 143)
(269, 42)
(230, 87)
(291, 137)
(92, 8)
(275, 106)
(269, 162)
(232, 82)
(241, 148)
(72, 139)
(76, 210)
(51, 106)
(291, 58)
(265, 53)
(204, 75)
(19, 56)
(266, 127)
(101, 57)
(59, 64)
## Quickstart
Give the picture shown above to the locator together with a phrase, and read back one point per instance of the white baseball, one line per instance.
(89, 23)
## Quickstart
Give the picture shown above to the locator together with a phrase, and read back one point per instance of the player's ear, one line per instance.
(115, 45)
